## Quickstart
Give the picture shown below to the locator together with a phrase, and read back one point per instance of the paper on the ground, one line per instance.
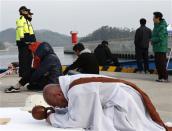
(22, 120)
(4, 121)
(169, 124)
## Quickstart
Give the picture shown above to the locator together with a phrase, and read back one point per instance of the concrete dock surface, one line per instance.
(160, 93)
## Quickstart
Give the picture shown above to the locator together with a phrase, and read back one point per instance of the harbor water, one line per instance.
(11, 55)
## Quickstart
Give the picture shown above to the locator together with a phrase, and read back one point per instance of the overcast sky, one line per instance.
(84, 16)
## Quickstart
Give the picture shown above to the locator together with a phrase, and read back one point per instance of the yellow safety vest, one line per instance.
(23, 27)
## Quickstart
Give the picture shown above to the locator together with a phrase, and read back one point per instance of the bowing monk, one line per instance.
(99, 103)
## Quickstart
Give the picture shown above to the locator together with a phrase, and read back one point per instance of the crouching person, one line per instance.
(46, 65)
(46, 68)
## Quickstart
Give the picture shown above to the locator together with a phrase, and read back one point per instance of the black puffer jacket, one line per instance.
(104, 56)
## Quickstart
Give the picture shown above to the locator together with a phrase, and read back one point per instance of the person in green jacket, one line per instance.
(160, 46)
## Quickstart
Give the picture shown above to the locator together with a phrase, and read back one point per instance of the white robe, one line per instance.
(100, 106)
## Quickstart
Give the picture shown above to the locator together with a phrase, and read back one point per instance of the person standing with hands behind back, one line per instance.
(160, 46)
(141, 41)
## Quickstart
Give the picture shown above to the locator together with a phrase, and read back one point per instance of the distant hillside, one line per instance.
(8, 36)
(108, 33)
(55, 39)
(2, 46)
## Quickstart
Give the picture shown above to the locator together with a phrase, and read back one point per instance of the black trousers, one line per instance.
(161, 62)
(40, 84)
(25, 61)
(142, 58)
(26, 79)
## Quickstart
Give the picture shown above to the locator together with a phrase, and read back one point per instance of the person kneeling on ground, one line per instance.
(86, 62)
(100, 103)
(46, 68)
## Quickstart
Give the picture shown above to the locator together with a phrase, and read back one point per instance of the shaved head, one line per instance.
(53, 95)
(50, 89)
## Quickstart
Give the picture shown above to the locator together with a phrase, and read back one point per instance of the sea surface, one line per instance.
(11, 55)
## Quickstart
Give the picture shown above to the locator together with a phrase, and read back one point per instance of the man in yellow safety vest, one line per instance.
(24, 37)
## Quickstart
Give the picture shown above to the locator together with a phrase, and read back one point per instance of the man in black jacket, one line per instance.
(142, 39)
(86, 62)
(104, 55)
(46, 68)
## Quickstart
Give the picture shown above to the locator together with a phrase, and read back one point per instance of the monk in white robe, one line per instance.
(99, 103)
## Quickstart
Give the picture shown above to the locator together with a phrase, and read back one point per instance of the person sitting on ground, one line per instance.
(46, 68)
(100, 103)
(104, 55)
(86, 62)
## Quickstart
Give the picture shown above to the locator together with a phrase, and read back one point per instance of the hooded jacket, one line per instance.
(45, 62)
(160, 37)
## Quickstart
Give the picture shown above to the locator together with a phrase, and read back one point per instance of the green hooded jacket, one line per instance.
(160, 37)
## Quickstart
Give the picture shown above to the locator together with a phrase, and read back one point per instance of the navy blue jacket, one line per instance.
(49, 66)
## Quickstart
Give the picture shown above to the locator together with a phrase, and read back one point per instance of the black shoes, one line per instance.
(162, 80)
(12, 90)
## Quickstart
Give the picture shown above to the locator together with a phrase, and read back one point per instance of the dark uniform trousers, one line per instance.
(25, 62)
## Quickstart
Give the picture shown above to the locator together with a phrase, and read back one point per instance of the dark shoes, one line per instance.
(12, 90)
(162, 80)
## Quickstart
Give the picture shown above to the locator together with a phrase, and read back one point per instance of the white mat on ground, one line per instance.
(22, 120)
